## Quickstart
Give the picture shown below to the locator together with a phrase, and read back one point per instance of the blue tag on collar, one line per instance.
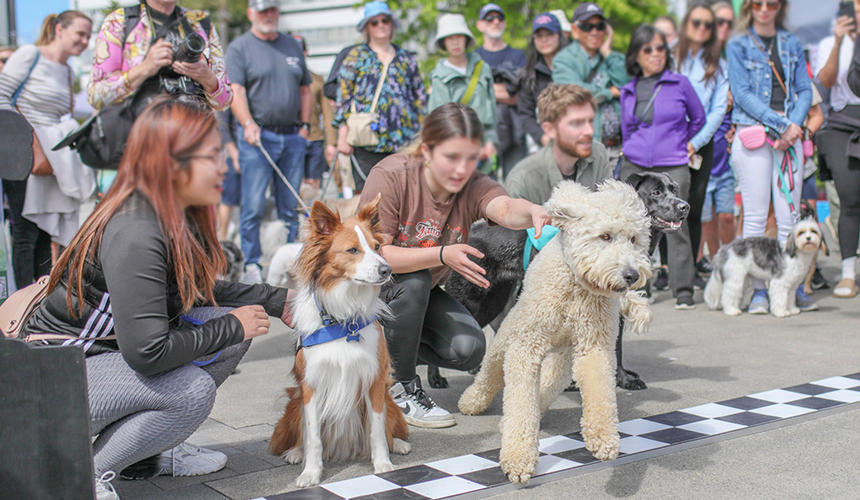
(546, 235)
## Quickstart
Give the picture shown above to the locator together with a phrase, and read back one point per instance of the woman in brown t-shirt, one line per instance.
(430, 198)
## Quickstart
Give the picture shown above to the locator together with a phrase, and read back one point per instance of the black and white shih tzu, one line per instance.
(765, 259)
(235, 260)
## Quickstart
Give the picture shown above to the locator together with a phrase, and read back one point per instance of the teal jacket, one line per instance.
(573, 64)
(447, 85)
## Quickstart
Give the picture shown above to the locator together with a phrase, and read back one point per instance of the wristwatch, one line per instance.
(305, 125)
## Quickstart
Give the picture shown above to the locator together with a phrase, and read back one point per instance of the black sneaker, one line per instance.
(685, 302)
(661, 282)
(818, 281)
(699, 282)
(704, 266)
(418, 409)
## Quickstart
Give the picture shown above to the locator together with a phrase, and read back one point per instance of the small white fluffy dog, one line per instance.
(568, 315)
(763, 258)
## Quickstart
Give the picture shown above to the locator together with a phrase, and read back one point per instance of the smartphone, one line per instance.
(696, 162)
(846, 9)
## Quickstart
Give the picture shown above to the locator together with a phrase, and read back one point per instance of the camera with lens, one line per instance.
(186, 48)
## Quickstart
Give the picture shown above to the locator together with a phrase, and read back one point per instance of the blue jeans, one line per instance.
(288, 152)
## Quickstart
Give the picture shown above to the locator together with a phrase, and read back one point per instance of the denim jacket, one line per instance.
(750, 79)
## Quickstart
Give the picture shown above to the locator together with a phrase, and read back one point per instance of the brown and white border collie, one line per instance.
(341, 408)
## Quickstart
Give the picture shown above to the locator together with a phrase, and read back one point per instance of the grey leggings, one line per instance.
(136, 417)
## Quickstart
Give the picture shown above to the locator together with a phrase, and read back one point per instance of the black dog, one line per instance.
(503, 261)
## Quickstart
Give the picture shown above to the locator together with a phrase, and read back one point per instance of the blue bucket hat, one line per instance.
(546, 21)
(373, 9)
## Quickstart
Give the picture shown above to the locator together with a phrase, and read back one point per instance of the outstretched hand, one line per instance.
(457, 258)
(540, 218)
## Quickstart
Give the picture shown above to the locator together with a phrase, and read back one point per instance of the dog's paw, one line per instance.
(731, 311)
(520, 469)
(435, 379)
(604, 447)
(293, 455)
(380, 467)
(471, 402)
(400, 447)
(309, 477)
(629, 380)
(794, 311)
(780, 313)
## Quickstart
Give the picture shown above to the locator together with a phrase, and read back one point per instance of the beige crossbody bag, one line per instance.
(360, 132)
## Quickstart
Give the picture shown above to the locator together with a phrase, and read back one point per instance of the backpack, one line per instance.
(101, 139)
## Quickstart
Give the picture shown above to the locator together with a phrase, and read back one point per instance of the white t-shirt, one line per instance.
(840, 94)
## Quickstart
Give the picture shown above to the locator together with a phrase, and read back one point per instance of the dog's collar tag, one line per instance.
(332, 330)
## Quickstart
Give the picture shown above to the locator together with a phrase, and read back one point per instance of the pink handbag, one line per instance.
(753, 137)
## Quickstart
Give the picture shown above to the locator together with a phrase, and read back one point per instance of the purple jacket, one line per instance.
(678, 116)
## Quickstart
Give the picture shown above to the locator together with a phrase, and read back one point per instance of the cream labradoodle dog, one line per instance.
(567, 315)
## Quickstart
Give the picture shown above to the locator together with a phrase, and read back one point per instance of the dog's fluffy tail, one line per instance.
(714, 289)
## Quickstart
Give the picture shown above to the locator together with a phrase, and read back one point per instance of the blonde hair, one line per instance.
(745, 18)
(48, 31)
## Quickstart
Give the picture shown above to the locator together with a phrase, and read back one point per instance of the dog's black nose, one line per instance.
(630, 276)
(384, 271)
(684, 207)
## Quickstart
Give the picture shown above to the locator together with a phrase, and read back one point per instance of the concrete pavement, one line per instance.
(687, 358)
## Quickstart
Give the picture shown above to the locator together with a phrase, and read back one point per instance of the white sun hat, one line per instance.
(452, 24)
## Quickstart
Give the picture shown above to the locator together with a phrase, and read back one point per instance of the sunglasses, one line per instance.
(660, 49)
(698, 23)
(765, 6)
(495, 17)
(722, 21)
(384, 21)
(588, 28)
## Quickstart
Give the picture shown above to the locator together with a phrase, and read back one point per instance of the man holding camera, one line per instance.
(272, 104)
(158, 47)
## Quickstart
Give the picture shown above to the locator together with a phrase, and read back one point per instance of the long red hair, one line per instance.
(167, 131)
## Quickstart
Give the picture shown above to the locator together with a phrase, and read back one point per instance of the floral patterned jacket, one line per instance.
(402, 102)
(113, 58)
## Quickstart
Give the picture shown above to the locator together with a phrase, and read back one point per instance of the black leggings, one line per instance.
(429, 327)
(31, 247)
(366, 159)
(698, 188)
(846, 175)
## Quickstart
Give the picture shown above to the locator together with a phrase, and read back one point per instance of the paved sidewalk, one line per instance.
(688, 358)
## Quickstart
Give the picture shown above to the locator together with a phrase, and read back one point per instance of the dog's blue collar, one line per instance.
(335, 330)
(547, 234)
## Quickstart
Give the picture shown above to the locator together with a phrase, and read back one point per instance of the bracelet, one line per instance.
(440, 255)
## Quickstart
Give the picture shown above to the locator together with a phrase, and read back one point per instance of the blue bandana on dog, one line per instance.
(547, 233)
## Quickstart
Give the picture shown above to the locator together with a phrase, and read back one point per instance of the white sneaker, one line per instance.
(252, 275)
(104, 490)
(418, 409)
(190, 460)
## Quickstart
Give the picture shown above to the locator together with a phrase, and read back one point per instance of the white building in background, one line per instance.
(327, 26)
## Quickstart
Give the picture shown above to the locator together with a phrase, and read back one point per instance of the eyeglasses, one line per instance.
(660, 49)
(495, 17)
(588, 28)
(765, 6)
(384, 20)
(698, 23)
(722, 21)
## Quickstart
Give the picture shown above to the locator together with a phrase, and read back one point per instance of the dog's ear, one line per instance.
(323, 220)
(634, 179)
(566, 201)
(791, 244)
(370, 212)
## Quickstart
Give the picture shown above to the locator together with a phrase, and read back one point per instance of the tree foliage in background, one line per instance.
(624, 16)
(228, 16)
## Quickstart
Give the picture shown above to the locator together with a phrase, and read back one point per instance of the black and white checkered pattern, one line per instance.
(480, 471)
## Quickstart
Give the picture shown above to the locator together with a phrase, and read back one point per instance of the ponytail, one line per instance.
(48, 31)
